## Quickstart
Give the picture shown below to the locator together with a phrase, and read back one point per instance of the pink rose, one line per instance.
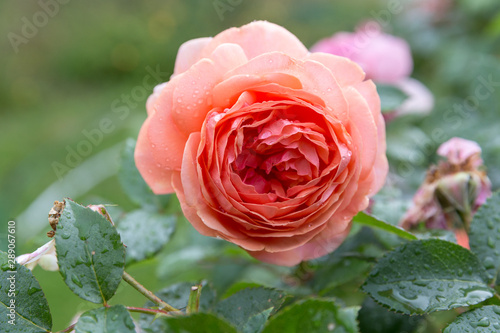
(383, 57)
(267, 146)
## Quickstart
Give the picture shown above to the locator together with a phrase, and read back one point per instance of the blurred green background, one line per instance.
(81, 62)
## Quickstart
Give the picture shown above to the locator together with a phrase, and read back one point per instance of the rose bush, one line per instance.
(266, 145)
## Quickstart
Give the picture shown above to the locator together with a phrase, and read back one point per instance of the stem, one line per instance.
(68, 329)
(194, 299)
(147, 311)
(149, 295)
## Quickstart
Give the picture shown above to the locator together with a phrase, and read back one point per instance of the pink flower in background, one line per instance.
(452, 191)
(267, 146)
(385, 59)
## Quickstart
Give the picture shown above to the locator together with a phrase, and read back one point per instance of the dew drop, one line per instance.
(179, 100)
(490, 224)
(483, 322)
(491, 242)
(33, 290)
(440, 298)
(489, 262)
(76, 281)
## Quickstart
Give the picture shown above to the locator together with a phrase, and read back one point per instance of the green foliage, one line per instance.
(90, 253)
(484, 238)
(481, 320)
(177, 296)
(374, 318)
(133, 183)
(368, 220)
(350, 263)
(426, 276)
(103, 320)
(390, 97)
(312, 315)
(249, 309)
(23, 307)
(145, 233)
(198, 323)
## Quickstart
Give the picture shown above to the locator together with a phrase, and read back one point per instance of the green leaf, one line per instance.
(482, 320)
(133, 183)
(390, 97)
(238, 286)
(484, 235)
(349, 318)
(350, 263)
(312, 315)
(90, 253)
(248, 309)
(197, 323)
(145, 233)
(371, 221)
(22, 301)
(426, 276)
(104, 320)
(177, 296)
(374, 318)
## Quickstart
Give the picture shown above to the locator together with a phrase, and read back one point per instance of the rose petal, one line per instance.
(260, 37)
(189, 53)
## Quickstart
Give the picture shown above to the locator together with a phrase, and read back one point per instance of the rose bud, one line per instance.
(101, 209)
(452, 191)
(266, 145)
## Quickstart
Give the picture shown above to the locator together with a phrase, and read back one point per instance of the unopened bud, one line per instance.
(453, 190)
(101, 209)
(458, 191)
